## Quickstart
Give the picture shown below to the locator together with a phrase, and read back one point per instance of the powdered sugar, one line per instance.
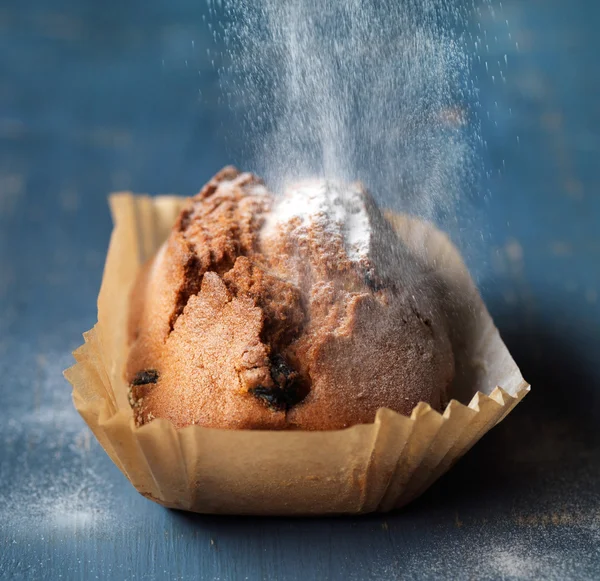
(68, 489)
(334, 206)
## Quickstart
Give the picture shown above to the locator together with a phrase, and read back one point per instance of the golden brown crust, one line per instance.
(232, 328)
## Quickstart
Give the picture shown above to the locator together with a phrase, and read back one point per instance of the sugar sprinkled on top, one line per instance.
(336, 207)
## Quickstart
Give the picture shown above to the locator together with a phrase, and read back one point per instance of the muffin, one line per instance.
(299, 311)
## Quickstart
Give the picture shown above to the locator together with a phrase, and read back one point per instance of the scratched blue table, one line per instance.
(103, 96)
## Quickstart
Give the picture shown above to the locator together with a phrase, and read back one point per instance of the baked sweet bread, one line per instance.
(300, 311)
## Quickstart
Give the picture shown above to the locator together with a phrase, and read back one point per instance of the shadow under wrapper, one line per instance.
(551, 441)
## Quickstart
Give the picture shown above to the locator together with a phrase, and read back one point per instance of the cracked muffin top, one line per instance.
(300, 311)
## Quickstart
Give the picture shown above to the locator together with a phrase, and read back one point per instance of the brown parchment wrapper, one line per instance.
(365, 468)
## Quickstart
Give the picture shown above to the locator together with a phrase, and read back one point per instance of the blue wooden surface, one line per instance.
(96, 96)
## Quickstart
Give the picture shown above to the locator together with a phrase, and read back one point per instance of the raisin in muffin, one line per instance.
(300, 311)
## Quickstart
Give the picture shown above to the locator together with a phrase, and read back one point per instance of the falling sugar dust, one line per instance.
(376, 91)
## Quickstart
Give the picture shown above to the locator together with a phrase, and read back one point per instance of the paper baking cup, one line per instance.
(365, 468)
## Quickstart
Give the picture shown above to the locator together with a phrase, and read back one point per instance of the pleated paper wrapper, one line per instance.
(365, 468)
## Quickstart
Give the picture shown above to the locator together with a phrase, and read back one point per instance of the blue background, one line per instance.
(97, 97)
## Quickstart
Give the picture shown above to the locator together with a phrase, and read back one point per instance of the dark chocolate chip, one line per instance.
(273, 397)
(145, 377)
(281, 371)
(289, 388)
